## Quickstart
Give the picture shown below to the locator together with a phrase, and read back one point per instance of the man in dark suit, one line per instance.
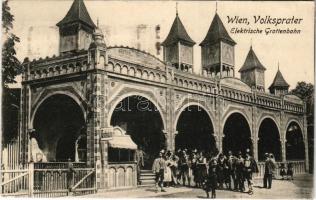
(268, 172)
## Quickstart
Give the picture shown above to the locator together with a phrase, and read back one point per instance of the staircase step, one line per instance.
(147, 182)
(147, 178)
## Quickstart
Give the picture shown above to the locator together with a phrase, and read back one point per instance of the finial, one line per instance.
(216, 7)
(250, 43)
(177, 8)
(278, 66)
(98, 22)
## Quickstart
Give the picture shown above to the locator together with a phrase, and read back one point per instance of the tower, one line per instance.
(178, 46)
(217, 48)
(252, 71)
(279, 86)
(75, 29)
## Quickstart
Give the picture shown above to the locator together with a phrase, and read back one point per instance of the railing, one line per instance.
(15, 182)
(298, 168)
(48, 180)
(122, 175)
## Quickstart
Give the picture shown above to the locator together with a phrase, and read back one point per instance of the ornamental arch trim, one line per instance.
(183, 107)
(118, 99)
(49, 93)
(273, 119)
(299, 124)
(231, 111)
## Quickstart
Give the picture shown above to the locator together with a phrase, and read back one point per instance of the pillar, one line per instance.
(305, 137)
(283, 149)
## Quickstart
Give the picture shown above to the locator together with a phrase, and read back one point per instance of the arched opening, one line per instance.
(237, 134)
(269, 140)
(295, 148)
(195, 130)
(141, 119)
(58, 122)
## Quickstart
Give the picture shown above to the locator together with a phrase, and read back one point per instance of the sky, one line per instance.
(132, 23)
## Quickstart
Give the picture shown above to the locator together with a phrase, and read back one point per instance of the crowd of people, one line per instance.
(210, 171)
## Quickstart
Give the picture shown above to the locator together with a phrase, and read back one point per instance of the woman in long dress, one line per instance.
(168, 173)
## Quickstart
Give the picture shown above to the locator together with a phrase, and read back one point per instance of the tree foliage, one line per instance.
(11, 67)
(303, 90)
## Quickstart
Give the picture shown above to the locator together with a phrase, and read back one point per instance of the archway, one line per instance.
(295, 148)
(237, 134)
(140, 118)
(58, 122)
(269, 140)
(195, 130)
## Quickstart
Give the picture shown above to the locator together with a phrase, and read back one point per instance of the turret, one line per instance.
(75, 29)
(252, 71)
(178, 47)
(279, 86)
(218, 54)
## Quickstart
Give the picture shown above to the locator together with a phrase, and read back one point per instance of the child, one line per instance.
(282, 171)
(290, 171)
(211, 180)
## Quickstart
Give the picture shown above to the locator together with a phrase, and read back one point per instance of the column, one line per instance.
(305, 137)
(255, 147)
(283, 149)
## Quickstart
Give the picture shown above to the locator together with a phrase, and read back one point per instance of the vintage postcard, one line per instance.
(164, 99)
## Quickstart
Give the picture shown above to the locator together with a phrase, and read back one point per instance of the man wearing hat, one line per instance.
(268, 171)
(158, 168)
(239, 172)
(250, 168)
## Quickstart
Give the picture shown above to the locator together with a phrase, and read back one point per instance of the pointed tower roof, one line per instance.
(177, 33)
(251, 62)
(217, 32)
(279, 81)
(77, 13)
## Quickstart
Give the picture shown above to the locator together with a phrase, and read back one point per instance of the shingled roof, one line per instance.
(279, 81)
(77, 13)
(251, 62)
(217, 32)
(177, 33)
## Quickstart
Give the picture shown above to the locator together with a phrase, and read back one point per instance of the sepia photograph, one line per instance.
(157, 99)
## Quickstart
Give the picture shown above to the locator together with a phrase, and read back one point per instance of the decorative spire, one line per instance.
(250, 43)
(278, 66)
(217, 32)
(216, 7)
(251, 62)
(279, 81)
(98, 22)
(177, 33)
(77, 13)
(177, 8)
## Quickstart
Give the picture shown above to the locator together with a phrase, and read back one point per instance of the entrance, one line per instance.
(295, 148)
(269, 140)
(141, 119)
(195, 130)
(58, 123)
(237, 135)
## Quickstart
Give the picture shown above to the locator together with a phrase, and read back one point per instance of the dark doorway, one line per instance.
(140, 118)
(295, 148)
(237, 135)
(195, 130)
(269, 140)
(58, 123)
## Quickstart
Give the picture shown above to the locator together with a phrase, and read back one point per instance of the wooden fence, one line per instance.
(48, 180)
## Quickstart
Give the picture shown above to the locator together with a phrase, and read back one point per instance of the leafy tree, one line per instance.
(306, 92)
(11, 67)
